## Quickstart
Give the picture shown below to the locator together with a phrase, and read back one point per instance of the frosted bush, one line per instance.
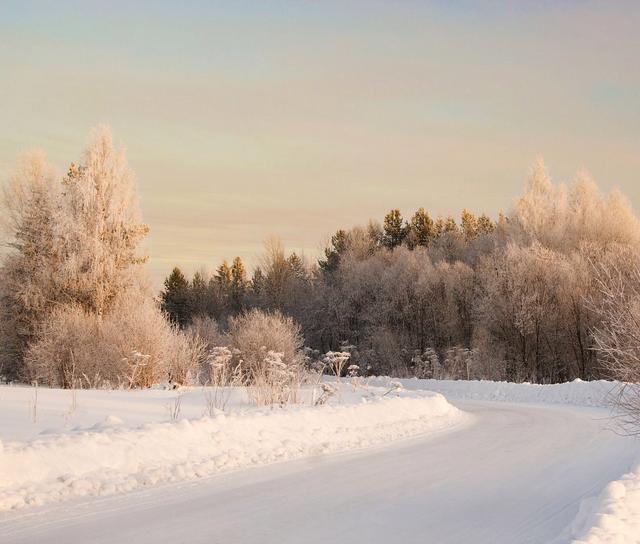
(208, 330)
(272, 359)
(336, 360)
(131, 346)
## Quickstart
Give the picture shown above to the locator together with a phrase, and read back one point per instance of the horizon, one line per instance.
(246, 123)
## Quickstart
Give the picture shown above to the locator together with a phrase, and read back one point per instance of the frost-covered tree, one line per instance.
(76, 298)
(617, 337)
(563, 218)
(28, 276)
(511, 293)
(100, 227)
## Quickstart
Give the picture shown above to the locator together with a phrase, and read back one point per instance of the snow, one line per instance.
(614, 516)
(611, 517)
(108, 457)
(499, 463)
(516, 475)
(577, 393)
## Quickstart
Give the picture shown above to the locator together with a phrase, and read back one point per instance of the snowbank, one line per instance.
(613, 516)
(108, 458)
(577, 393)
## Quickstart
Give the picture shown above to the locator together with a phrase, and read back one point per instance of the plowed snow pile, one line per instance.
(109, 457)
(598, 393)
(613, 517)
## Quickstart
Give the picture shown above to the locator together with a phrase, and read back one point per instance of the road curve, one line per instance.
(516, 476)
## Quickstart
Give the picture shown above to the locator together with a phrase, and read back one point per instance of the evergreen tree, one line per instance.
(238, 287)
(257, 282)
(421, 230)
(485, 225)
(223, 275)
(438, 228)
(334, 251)
(469, 225)
(395, 230)
(214, 304)
(175, 297)
(198, 291)
(450, 225)
(297, 266)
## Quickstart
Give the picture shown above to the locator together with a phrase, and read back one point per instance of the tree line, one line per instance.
(547, 292)
(517, 297)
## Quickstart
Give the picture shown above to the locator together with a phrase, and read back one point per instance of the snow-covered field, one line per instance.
(109, 442)
(541, 465)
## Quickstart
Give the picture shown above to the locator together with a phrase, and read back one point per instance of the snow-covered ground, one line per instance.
(535, 467)
(578, 393)
(613, 516)
(119, 441)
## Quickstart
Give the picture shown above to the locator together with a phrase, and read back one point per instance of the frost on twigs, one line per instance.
(336, 360)
(327, 391)
(275, 382)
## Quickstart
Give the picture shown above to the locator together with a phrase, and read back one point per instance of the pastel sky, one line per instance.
(244, 119)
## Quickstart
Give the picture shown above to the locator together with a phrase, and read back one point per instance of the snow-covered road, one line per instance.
(516, 475)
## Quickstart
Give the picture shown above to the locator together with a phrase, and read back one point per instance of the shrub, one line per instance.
(186, 353)
(207, 329)
(132, 346)
(272, 360)
(65, 353)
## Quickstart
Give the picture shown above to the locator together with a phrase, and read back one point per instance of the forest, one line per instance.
(521, 297)
(545, 292)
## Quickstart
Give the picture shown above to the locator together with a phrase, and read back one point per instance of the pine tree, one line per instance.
(438, 228)
(469, 225)
(197, 302)
(175, 297)
(450, 225)
(395, 230)
(333, 253)
(223, 275)
(421, 230)
(485, 225)
(239, 284)
(297, 266)
(258, 282)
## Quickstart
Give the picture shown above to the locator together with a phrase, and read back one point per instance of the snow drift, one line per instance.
(599, 394)
(613, 516)
(108, 458)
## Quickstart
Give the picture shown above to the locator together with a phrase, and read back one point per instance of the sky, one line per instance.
(246, 119)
